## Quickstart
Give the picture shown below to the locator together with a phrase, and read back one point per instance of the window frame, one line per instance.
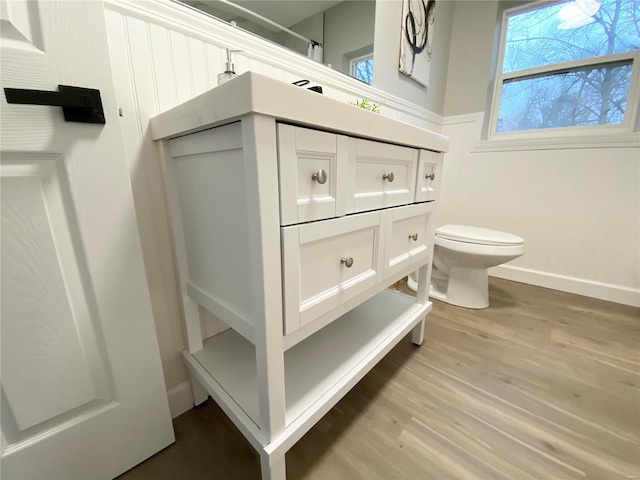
(629, 123)
(353, 61)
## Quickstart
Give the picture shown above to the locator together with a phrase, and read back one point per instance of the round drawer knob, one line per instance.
(431, 177)
(388, 176)
(414, 237)
(347, 261)
(320, 176)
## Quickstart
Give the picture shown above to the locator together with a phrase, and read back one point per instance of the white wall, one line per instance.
(163, 54)
(348, 26)
(578, 209)
(471, 50)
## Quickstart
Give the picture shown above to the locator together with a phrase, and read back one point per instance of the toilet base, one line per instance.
(412, 283)
(466, 287)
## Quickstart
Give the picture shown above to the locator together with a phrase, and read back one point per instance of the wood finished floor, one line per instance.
(543, 385)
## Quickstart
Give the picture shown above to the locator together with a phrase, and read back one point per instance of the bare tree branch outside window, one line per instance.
(363, 70)
(581, 95)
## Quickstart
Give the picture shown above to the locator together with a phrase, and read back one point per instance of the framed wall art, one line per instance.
(417, 39)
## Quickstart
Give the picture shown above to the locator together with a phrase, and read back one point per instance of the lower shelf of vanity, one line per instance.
(319, 371)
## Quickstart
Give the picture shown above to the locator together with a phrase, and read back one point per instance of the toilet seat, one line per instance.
(477, 236)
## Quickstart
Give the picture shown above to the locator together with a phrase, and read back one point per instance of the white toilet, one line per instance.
(460, 261)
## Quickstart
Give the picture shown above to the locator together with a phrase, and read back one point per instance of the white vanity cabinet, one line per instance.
(292, 213)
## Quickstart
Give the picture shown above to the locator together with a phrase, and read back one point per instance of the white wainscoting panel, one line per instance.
(577, 207)
(140, 94)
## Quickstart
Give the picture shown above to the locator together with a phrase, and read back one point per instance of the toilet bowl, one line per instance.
(461, 258)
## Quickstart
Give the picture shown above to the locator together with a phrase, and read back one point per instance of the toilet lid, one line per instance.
(480, 236)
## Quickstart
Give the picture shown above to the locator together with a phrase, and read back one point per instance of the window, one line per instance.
(567, 64)
(362, 68)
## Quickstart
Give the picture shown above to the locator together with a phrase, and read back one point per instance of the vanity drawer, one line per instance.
(429, 176)
(308, 162)
(327, 263)
(381, 175)
(408, 233)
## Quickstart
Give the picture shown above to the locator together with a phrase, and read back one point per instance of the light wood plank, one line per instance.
(490, 394)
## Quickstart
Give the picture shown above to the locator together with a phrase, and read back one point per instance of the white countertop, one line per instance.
(254, 93)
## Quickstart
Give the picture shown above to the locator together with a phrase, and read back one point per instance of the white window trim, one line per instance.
(353, 61)
(624, 134)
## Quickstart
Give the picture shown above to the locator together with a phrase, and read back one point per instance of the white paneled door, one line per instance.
(82, 393)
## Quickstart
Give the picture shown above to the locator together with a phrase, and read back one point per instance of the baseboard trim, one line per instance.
(180, 398)
(579, 286)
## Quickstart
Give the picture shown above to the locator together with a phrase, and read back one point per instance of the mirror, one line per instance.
(338, 34)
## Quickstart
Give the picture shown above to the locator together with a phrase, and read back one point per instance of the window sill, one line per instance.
(554, 141)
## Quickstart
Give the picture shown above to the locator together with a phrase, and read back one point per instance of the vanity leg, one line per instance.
(200, 395)
(417, 334)
(422, 296)
(273, 468)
